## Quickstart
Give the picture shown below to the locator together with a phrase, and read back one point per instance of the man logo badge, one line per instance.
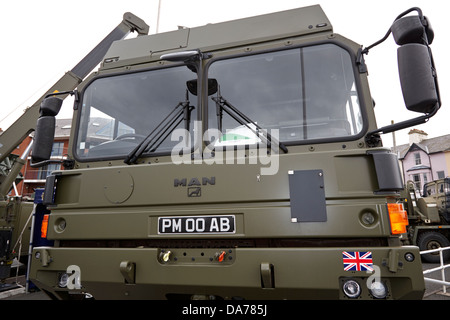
(194, 185)
(194, 192)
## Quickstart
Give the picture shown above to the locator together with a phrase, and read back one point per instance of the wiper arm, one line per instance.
(240, 117)
(162, 131)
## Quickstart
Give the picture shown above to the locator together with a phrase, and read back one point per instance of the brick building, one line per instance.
(35, 177)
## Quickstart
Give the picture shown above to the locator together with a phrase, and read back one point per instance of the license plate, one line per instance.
(197, 225)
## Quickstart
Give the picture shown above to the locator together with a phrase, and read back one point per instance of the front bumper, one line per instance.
(228, 273)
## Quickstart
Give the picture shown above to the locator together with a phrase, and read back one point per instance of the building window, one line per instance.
(416, 179)
(425, 178)
(46, 170)
(440, 174)
(417, 158)
(57, 150)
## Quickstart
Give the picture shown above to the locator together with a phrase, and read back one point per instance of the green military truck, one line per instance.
(237, 160)
(429, 217)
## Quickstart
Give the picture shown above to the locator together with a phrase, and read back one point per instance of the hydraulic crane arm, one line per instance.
(23, 126)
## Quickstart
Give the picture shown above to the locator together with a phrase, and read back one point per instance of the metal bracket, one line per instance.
(128, 270)
(267, 276)
(392, 262)
(44, 257)
(136, 24)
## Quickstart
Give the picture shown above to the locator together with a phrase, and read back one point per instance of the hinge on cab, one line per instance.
(360, 60)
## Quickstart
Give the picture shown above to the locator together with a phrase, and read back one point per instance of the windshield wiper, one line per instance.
(181, 112)
(240, 117)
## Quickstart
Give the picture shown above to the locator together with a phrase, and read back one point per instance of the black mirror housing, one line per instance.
(213, 86)
(412, 30)
(51, 106)
(45, 130)
(43, 139)
(417, 77)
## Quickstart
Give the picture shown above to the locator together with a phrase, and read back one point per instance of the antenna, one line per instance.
(157, 19)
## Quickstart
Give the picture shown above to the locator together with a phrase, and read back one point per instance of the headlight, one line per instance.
(378, 290)
(409, 257)
(62, 280)
(352, 289)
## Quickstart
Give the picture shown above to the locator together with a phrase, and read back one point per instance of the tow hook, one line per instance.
(44, 256)
(128, 270)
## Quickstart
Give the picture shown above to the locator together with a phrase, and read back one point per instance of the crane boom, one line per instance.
(23, 126)
(26, 124)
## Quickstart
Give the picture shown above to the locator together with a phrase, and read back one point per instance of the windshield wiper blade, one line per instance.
(162, 131)
(240, 117)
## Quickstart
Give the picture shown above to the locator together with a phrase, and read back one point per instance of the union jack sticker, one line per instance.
(357, 261)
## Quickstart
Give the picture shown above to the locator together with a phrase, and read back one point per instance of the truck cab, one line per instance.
(230, 161)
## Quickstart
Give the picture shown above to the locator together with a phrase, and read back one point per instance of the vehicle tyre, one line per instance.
(433, 240)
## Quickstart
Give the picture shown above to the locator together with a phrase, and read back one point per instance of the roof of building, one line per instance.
(432, 145)
(97, 127)
(62, 128)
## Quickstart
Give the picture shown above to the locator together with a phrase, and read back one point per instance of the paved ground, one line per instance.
(433, 291)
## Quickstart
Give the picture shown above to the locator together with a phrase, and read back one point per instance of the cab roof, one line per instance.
(278, 25)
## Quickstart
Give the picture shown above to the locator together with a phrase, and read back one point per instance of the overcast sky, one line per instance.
(44, 39)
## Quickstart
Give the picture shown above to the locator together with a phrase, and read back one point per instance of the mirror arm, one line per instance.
(374, 135)
(44, 163)
(419, 12)
(59, 93)
(67, 163)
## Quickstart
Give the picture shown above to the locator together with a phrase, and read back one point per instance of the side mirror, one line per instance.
(43, 139)
(213, 86)
(416, 68)
(51, 106)
(417, 77)
(45, 129)
(412, 30)
(415, 63)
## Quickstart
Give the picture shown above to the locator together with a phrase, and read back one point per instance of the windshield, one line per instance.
(118, 112)
(304, 93)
